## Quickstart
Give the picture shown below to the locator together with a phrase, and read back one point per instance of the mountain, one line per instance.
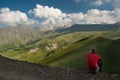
(68, 47)
(22, 70)
(89, 27)
(11, 37)
(16, 36)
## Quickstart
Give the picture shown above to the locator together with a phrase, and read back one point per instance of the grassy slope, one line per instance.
(64, 40)
(112, 34)
(75, 55)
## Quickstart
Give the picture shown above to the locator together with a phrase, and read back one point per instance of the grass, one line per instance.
(75, 55)
(112, 34)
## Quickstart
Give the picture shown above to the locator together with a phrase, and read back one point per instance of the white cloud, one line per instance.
(114, 3)
(53, 18)
(95, 16)
(76, 18)
(60, 19)
(14, 18)
(46, 12)
(97, 3)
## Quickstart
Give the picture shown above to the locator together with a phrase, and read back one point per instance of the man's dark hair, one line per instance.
(92, 50)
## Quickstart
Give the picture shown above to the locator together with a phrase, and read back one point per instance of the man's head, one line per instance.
(92, 50)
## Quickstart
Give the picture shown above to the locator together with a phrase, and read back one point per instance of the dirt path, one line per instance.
(19, 70)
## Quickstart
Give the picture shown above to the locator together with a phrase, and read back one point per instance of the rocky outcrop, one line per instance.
(52, 46)
(33, 50)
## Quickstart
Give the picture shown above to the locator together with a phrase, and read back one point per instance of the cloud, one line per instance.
(53, 18)
(114, 3)
(95, 16)
(77, 1)
(46, 12)
(97, 3)
(14, 18)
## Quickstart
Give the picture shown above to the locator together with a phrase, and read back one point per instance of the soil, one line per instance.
(22, 70)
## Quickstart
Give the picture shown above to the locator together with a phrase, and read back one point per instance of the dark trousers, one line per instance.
(100, 65)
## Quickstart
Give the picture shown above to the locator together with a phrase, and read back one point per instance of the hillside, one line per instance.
(112, 34)
(68, 49)
(75, 55)
(39, 49)
(19, 70)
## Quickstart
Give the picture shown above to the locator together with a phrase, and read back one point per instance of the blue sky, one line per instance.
(67, 6)
(54, 13)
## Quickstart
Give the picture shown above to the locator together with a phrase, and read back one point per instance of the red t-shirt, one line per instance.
(92, 60)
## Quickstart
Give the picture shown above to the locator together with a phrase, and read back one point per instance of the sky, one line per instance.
(52, 14)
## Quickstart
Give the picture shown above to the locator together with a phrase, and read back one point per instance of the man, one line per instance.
(94, 62)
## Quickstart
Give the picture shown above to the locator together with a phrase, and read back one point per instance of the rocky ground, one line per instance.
(19, 70)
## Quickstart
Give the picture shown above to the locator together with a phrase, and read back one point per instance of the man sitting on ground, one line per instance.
(94, 62)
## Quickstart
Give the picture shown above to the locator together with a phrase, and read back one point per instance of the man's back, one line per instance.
(92, 61)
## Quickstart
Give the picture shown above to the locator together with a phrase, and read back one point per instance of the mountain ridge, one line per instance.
(89, 27)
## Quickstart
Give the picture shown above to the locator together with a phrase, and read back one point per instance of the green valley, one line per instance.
(68, 48)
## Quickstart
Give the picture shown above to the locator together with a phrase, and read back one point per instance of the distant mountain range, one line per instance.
(16, 36)
(89, 27)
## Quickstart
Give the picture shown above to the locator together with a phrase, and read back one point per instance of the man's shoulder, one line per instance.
(90, 54)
